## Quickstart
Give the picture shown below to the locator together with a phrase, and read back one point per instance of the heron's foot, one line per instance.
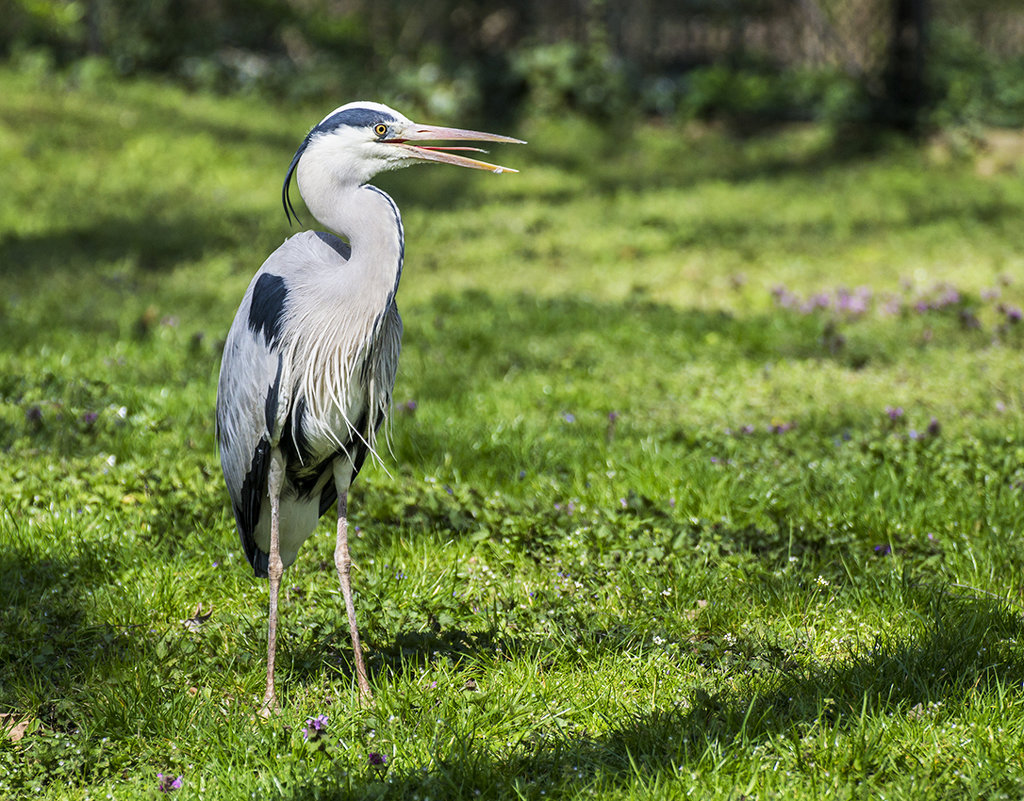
(365, 694)
(270, 706)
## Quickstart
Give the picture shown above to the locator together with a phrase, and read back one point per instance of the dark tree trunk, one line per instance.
(905, 90)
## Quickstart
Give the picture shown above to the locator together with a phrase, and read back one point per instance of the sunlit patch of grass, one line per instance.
(706, 471)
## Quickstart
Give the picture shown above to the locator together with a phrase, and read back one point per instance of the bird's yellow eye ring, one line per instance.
(380, 129)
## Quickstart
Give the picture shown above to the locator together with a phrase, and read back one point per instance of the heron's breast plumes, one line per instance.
(335, 400)
(346, 375)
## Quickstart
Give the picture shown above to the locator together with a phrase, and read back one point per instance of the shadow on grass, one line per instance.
(961, 652)
(58, 659)
(47, 645)
(155, 242)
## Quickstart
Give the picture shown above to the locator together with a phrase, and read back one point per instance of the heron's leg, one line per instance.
(343, 562)
(275, 568)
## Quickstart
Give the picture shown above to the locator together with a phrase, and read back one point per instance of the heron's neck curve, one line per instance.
(369, 219)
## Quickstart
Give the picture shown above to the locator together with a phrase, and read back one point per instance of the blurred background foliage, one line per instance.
(910, 64)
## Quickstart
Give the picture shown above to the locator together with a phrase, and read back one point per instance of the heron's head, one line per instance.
(358, 140)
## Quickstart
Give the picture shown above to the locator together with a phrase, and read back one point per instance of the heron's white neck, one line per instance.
(363, 214)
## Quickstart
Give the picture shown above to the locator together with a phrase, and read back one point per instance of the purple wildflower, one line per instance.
(379, 762)
(409, 406)
(784, 299)
(569, 417)
(1013, 313)
(892, 306)
(610, 431)
(969, 320)
(166, 784)
(894, 412)
(315, 727)
(815, 302)
(33, 414)
(883, 550)
(856, 302)
(90, 417)
(934, 427)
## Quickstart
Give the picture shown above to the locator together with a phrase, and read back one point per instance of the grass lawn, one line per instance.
(707, 471)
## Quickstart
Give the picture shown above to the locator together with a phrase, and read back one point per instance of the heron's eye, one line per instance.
(380, 129)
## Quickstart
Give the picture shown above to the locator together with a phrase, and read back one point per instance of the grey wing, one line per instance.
(380, 369)
(386, 357)
(251, 401)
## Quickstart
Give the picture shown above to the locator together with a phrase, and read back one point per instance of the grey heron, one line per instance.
(309, 362)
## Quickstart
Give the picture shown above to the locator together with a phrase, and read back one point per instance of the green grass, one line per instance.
(648, 531)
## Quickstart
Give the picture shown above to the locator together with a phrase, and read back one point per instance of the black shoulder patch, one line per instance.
(266, 312)
(340, 246)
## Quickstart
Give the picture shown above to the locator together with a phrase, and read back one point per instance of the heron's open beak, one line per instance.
(444, 153)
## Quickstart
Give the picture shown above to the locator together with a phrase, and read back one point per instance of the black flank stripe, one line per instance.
(270, 407)
(247, 511)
